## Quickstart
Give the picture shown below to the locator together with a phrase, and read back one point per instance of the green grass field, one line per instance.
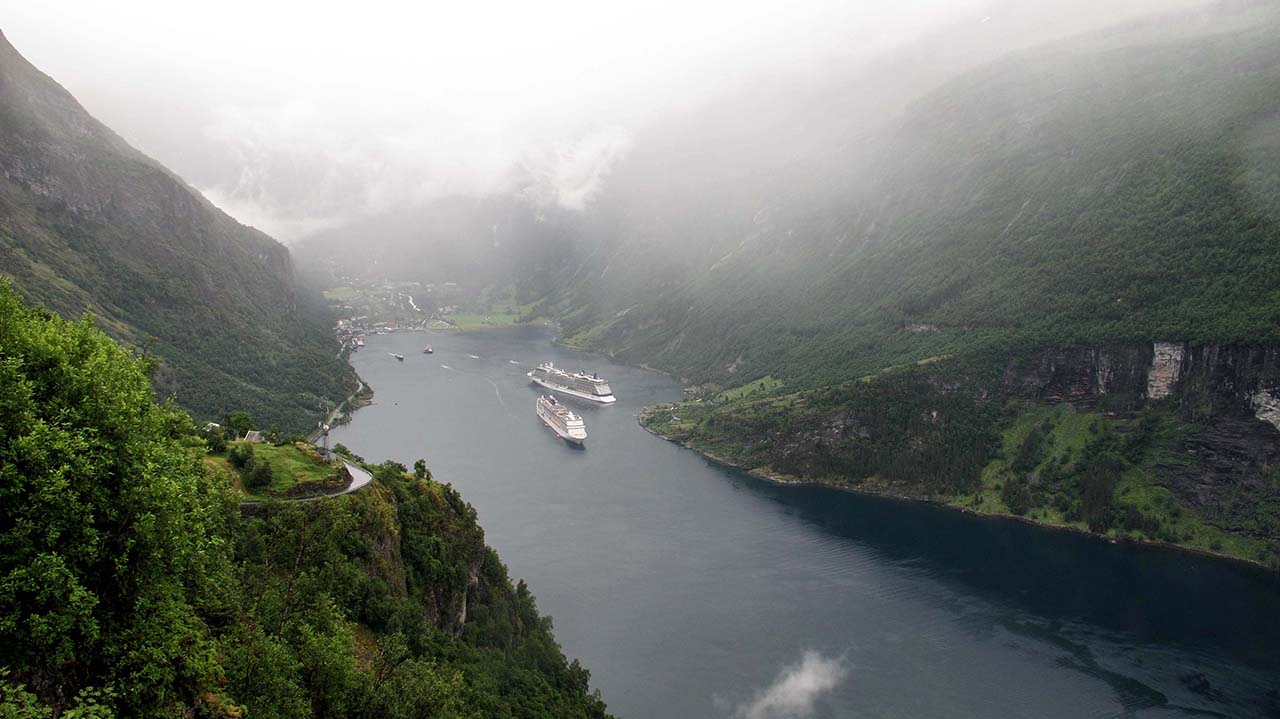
(764, 385)
(496, 314)
(1137, 487)
(341, 294)
(475, 321)
(290, 466)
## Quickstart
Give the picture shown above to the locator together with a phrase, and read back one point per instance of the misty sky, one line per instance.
(295, 116)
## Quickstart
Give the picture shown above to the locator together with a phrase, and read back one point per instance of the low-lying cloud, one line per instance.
(301, 167)
(569, 175)
(319, 117)
(796, 691)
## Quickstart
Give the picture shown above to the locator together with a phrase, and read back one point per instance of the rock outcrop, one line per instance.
(1166, 367)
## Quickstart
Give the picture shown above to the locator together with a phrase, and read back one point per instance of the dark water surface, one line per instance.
(690, 590)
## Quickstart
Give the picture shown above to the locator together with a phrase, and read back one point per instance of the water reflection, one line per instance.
(1137, 618)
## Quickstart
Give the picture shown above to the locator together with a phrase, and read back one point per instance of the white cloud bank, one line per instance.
(298, 115)
(569, 175)
(797, 689)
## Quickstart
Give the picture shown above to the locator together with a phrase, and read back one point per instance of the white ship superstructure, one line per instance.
(561, 420)
(579, 384)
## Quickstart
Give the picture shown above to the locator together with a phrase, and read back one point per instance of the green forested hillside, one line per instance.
(132, 585)
(1117, 186)
(88, 224)
(1063, 437)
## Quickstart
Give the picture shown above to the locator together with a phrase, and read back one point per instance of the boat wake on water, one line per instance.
(496, 392)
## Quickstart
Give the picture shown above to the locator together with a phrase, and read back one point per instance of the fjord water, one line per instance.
(689, 590)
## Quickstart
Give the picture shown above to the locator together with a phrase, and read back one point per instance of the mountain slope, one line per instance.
(1113, 187)
(87, 223)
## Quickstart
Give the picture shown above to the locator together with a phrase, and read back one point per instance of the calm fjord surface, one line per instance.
(688, 589)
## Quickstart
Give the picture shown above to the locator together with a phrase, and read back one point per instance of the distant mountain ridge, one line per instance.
(88, 223)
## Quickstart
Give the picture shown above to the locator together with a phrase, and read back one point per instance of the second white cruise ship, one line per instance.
(579, 384)
(561, 420)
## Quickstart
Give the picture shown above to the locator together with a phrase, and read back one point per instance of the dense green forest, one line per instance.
(133, 584)
(89, 224)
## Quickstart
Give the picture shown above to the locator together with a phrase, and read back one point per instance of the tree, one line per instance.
(1098, 486)
(420, 470)
(343, 450)
(241, 457)
(241, 422)
(110, 524)
(215, 439)
(260, 475)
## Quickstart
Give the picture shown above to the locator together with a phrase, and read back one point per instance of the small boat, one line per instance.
(427, 350)
(398, 357)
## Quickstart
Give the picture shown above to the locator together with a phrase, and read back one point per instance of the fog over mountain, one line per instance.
(308, 117)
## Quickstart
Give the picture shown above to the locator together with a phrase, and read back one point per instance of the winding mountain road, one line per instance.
(360, 477)
(315, 436)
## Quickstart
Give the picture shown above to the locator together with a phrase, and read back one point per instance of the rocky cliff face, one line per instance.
(1204, 380)
(1227, 395)
(1120, 376)
(1217, 380)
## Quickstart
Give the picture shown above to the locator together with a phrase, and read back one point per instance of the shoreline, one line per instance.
(782, 480)
(346, 406)
(787, 481)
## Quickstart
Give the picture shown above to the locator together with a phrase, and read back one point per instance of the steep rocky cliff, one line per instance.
(1204, 380)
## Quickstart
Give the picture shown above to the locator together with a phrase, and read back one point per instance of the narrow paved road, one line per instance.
(315, 436)
(359, 478)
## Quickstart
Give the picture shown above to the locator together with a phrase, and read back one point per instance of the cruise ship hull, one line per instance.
(562, 434)
(607, 399)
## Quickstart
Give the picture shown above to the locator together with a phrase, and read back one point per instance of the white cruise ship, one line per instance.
(580, 384)
(561, 420)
